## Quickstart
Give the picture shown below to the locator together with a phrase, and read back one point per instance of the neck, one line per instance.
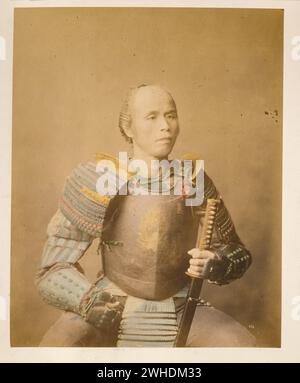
(139, 154)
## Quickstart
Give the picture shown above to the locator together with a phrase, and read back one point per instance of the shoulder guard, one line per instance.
(224, 231)
(210, 190)
(80, 203)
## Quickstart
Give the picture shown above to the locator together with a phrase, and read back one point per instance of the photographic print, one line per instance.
(146, 177)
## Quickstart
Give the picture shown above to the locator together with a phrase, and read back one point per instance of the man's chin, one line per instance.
(163, 151)
(161, 154)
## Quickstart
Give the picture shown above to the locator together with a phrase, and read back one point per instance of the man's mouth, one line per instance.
(164, 140)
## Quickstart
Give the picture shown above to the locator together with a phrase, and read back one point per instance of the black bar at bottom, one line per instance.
(129, 372)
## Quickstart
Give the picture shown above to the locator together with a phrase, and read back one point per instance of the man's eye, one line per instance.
(171, 116)
(152, 117)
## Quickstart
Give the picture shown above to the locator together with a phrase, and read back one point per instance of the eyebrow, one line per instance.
(156, 112)
(152, 112)
(171, 111)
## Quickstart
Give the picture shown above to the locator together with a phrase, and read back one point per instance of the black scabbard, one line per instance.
(188, 312)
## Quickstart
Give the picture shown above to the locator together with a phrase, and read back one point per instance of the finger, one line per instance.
(195, 253)
(202, 254)
(197, 269)
(197, 261)
(197, 274)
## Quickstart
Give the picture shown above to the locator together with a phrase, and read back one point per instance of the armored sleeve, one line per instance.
(233, 259)
(60, 280)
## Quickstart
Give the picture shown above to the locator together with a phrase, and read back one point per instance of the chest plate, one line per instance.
(146, 243)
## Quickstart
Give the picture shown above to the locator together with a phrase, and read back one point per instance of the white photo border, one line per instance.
(289, 350)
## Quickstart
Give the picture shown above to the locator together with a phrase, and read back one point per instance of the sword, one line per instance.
(203, 243)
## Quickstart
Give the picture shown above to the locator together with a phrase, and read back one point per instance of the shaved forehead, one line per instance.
(153, 95)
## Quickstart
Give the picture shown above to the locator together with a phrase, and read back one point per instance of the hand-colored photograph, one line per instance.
(146, 177)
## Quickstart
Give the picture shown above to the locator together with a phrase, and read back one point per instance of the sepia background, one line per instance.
(224, 67)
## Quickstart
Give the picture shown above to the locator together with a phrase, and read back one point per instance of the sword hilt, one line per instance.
(205, 233)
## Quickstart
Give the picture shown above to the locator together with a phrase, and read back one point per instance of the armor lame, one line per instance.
(78, 203)
(148, 323)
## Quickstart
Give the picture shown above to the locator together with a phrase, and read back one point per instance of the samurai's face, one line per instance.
(154, 122)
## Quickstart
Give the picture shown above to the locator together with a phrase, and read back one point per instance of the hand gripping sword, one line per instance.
(203, 243)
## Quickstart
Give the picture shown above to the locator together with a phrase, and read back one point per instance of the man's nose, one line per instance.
(164, 125)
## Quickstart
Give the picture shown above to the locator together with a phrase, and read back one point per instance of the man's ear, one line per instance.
(128, 131)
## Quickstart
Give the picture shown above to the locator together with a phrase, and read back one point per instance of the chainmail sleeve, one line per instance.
(60, 280)
(233, 257)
